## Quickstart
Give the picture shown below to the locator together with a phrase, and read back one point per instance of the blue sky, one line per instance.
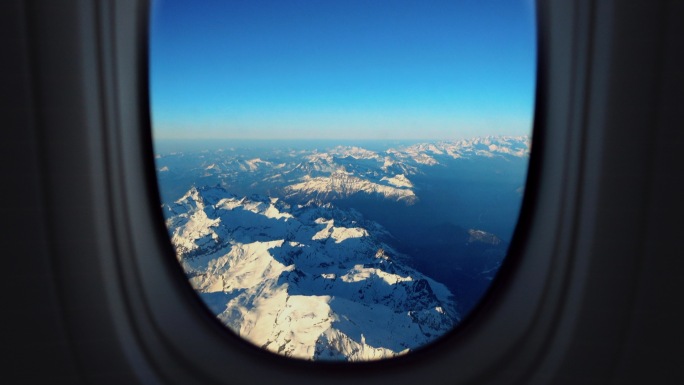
(347, 69)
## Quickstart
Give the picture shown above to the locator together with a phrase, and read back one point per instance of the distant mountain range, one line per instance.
(335, 173)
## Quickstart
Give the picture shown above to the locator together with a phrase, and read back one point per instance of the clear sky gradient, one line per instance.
(346, 69)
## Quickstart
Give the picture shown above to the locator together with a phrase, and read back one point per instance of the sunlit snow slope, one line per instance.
(311, 282)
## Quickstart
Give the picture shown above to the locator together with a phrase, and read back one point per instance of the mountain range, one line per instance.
(308, 281)
(331, 252)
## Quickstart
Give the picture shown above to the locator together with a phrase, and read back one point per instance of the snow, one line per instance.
(284, 286)
(362, 273)
(310, 280)
(253, 164)
(197, 226)
(354, 152)
(399, 181)
(339, 234)
(345, 185)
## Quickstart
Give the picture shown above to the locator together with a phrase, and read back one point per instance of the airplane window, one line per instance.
(341, 179)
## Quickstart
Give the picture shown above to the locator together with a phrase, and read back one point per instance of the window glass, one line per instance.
(341, 179)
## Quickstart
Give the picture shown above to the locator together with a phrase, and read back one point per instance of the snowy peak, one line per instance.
(398, 181)
(343, 185)
(307, 281)
(336, 172)
(354, 152)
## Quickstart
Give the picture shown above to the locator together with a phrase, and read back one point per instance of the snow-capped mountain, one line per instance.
(341, 184)
(310, 281)
(337, 171)
(489, 147)
(334, 264)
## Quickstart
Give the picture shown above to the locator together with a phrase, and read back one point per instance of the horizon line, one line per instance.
(157, 138)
